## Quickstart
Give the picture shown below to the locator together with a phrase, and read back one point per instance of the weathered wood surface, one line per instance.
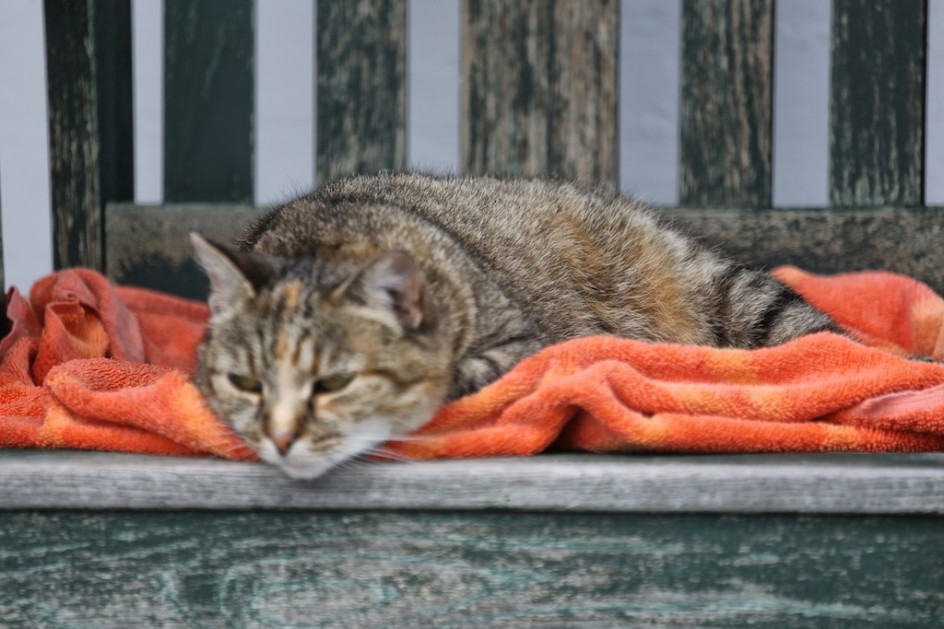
(907, 241)
(361, 87)
(726, 107)
(73, 134)
(539, 88)
(149, 245)
(111, 26)
(422, 569)
(828, 483)
(877, 103)
(208, 100)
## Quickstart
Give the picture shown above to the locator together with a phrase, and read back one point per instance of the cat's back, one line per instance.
(596, 260)
(507, 224)
(492, 217)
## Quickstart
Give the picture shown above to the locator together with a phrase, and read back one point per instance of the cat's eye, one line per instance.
(332, 384)
(245, 383)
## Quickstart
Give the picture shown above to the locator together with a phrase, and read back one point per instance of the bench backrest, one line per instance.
(542, 89)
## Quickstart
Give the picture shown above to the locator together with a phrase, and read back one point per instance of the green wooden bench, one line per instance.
(112, 540)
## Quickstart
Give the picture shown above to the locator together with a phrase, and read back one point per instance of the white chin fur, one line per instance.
(301, 463)
(311, 468)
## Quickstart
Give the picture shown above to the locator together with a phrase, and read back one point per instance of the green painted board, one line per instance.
(361, 87)
(483, 569)
(208, 100)
(539, 88)
(149, 246)
(877, 102)
(111, 27)
(726, 103)
(73, 135)
(88, 63)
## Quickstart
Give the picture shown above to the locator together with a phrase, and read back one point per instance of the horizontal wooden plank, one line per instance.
(294, 569)
(904, 240)
(148, 245)
(834, 483)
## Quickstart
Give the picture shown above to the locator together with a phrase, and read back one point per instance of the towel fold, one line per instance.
(91, 366)
(94, 366)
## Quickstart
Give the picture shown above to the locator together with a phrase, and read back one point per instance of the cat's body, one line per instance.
(404, 291)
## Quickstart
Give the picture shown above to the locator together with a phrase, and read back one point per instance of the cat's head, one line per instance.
(314, 361)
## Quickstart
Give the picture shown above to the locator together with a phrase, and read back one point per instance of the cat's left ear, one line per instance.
(233, 275)
(393, 281)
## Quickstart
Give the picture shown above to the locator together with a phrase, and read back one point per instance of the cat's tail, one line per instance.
(754, 309)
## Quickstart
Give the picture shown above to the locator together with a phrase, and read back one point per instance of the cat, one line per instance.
(348, 316)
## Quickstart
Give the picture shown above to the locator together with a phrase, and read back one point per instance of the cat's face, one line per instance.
(314, 362)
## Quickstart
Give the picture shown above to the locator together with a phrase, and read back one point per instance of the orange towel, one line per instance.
(88, 365)
(91, 366)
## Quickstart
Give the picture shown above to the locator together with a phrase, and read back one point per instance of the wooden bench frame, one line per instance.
(557, 540)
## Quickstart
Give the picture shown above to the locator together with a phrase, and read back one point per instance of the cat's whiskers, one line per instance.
(224, 447)
(378, 455)
(405, 438)
(357, 461)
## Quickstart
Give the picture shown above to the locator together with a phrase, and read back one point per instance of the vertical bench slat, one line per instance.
(208, 100)
(877, 102)
(726, 129)
(73, 134)
(361, 87)
(539, 88)
(111, 27)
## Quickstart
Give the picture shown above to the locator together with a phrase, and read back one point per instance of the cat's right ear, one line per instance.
(231, 273)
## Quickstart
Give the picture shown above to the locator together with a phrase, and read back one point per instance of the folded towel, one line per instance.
(91, 366)
(88, 365)
(823, 392)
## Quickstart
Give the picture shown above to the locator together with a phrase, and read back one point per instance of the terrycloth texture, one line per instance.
(823, 392)
(91, 366)
(88, 365)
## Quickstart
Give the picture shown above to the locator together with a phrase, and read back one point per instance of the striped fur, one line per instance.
(411, 290)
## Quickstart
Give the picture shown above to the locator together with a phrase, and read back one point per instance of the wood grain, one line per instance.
(827, 240)
(73, 134)
(208, 100)
(539, 88)
(851, 483)
(150, 246)
(361, 87)
(726, 107)
(877, 103)
(111, 23)
(420, 569)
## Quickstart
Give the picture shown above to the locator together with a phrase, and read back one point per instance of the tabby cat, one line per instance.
(348, 316)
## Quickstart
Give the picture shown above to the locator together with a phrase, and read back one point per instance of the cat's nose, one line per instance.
(283, 424)
(283, 440)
